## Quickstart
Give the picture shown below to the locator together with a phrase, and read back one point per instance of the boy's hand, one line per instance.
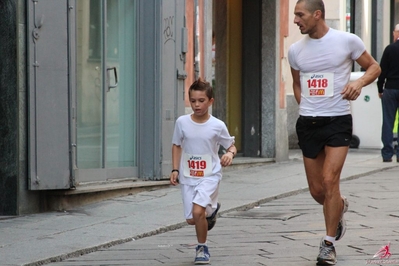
(227, 159)
(174, 178)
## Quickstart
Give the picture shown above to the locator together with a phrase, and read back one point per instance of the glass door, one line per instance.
(106, 90)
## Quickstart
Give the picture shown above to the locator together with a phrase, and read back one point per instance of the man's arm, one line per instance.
(353, 89)
(384, 66)
(296, 84)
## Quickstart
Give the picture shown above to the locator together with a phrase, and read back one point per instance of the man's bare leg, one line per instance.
(323, 175)
(333, 204)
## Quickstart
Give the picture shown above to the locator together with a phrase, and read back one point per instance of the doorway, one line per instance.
(106, 114)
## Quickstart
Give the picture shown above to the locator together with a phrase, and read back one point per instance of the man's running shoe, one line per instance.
(202, 255)
(341, 229)
(327, 255)
(212, 219)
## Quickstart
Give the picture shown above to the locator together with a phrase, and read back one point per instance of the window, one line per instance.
(95, 33)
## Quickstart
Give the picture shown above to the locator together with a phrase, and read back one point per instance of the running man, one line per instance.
(321, 64)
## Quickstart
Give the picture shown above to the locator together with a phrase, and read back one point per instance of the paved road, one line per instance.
(285, 231)
(148, 228)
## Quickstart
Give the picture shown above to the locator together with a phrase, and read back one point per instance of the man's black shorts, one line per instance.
(316, 132)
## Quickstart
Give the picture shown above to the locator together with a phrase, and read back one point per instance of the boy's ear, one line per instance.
(211, 100)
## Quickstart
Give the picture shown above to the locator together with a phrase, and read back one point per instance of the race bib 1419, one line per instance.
(197, 166)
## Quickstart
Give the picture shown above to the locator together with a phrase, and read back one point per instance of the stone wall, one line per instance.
(8, 109)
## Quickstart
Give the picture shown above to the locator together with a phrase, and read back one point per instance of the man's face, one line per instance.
(304, 19)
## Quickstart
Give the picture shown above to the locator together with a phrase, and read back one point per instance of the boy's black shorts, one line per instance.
(316, 132)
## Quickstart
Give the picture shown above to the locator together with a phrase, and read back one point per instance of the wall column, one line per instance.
(8, 109)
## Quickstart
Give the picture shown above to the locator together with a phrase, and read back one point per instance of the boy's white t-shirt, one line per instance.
(325, 65)
(200, 146)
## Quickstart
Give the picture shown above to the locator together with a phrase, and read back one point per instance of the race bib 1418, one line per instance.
(317, 84)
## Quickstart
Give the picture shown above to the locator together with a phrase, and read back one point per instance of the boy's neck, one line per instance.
(200, 119)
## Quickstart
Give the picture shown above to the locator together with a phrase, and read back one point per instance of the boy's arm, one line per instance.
(176, 155)
(227, 158)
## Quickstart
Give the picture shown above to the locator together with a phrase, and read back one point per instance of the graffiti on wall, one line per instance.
(168, 33)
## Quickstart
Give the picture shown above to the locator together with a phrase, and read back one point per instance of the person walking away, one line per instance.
(388, 91)
(321, 64)
(196, 163)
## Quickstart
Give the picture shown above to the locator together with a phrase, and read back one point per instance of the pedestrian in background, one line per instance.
(321, 64)
(388, 90)
(196, 163)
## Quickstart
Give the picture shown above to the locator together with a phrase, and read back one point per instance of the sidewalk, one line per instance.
(41, 238)
(282, 232)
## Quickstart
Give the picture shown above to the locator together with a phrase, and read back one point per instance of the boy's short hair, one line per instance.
(201, 85)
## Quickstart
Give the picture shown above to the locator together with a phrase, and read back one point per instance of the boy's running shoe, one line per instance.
(202, 255)
(327, 255)
(341, 229)
(212, 219)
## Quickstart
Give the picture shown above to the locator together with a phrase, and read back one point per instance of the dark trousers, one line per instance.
(390, 105)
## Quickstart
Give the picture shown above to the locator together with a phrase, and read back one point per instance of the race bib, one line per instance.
(197, 166)
(317, 84)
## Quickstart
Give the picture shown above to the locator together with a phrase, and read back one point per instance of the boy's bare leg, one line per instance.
(201, 225)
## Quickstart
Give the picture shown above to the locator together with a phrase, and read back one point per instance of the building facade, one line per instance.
(93, 88)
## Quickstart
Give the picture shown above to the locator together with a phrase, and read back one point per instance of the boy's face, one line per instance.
(200, 103)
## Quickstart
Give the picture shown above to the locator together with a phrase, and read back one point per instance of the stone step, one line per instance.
(92, 192)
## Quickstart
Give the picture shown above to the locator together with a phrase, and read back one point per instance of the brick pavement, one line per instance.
(285, 232)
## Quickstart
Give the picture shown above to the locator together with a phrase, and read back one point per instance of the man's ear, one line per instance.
(317, 14)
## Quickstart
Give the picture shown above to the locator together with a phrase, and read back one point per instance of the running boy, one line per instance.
(196, 163)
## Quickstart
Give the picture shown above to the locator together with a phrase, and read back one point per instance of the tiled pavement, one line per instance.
(284, 231)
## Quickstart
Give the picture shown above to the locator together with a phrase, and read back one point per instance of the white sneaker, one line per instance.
(327, 254)
(341, 229)
(202, 255)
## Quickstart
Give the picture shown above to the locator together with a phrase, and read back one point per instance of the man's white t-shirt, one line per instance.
(200, 146)
(325, 66)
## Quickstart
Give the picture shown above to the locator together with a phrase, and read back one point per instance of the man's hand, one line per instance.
(352, 90)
